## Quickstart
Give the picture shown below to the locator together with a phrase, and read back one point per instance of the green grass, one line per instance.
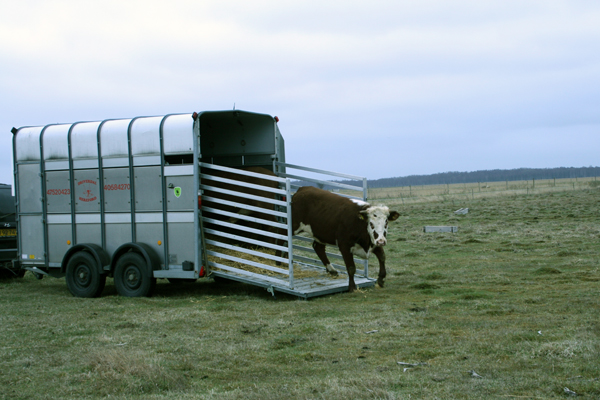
(513, 296)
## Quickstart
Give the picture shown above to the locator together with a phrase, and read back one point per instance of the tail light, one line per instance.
(199, 202)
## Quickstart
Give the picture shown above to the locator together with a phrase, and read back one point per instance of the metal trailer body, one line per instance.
(121, 198)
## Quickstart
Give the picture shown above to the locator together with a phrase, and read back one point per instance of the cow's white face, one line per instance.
(377, 223)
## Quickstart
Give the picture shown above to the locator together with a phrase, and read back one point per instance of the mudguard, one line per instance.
(101, 257)
(152, 259)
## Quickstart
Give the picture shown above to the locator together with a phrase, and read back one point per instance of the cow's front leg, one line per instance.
(350, 267)
(380, 254)
(320, 250)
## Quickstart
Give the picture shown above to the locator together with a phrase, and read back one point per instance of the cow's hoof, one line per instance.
(380, 284)
(333, 272)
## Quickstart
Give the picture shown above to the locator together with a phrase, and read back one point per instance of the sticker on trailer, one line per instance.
(87, 190)
(177, 192)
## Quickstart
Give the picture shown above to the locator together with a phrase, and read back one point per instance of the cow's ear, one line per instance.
(363, 214)
(393, 216)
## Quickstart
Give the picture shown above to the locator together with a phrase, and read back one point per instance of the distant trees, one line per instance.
(496, 175)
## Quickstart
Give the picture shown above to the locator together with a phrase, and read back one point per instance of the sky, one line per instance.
(375, 89)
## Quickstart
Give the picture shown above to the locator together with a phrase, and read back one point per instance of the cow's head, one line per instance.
(377, 218)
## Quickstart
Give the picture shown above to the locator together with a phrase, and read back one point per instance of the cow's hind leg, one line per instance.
(380, 254)
(320, 250)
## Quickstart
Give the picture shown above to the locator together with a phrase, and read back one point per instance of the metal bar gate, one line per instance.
(246, 217)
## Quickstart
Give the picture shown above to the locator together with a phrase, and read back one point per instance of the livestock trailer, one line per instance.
(123, 198)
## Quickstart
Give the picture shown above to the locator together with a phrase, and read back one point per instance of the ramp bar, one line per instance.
(238, 183)
(245, 217)
(320, 171)
(246, 240)
(244, 228)
(241, 172)
(247, 273)
(245, 195)
(251, 252)
(247, 207)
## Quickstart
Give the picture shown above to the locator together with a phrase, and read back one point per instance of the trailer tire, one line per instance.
(83, 277)
(133, 277)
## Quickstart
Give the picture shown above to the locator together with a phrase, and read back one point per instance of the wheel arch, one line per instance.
(150, 256)
(99, 254)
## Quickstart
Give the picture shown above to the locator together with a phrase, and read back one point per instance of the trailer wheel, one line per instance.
(83, 277)
(132, 278)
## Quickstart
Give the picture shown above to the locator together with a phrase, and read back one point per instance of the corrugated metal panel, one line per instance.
(84, 140)
(113, 138)
(178, 134)
(28, 144)
(145, 138)
(56, 145)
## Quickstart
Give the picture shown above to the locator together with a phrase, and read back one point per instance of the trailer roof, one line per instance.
(114, 136)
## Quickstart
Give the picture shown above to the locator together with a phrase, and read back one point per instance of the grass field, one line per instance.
(507, 308)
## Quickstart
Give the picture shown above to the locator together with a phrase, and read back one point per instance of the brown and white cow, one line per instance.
(356, 227)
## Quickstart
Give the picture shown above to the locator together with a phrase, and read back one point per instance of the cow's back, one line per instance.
(327, 214)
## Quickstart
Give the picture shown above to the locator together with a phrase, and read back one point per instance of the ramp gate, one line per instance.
(261, 249)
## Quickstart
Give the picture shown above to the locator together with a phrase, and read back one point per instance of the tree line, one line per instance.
(496, 175)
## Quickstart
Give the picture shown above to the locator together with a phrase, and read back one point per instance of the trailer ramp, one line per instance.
(247, 234)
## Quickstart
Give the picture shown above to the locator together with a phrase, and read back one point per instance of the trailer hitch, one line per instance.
(38, 273)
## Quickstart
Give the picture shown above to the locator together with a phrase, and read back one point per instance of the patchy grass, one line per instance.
(513, 296)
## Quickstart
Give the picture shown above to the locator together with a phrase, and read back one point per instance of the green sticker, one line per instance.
(177, 192)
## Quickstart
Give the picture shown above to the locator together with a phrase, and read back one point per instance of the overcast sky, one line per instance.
(376, 89)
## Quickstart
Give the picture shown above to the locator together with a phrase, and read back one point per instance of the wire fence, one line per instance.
(460, 191)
